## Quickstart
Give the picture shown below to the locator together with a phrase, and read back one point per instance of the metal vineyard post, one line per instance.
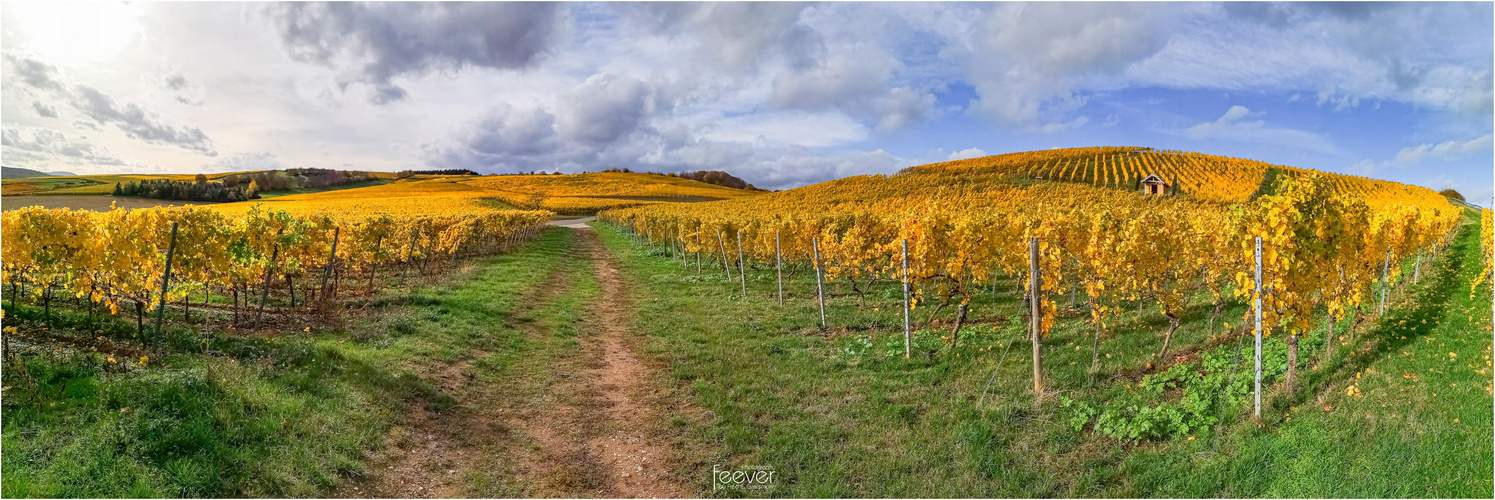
(779, 264)
(1385, 274)
(1257, 303)
(741, 265)
(907, 331)
(1035, 288)
(819, 287)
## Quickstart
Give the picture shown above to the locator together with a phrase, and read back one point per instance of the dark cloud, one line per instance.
(51, 145)
(35, 73)
(136, 122)
(44, 110)
(602, 109)
(176, 81)
(512, 132)
(736, 35)
(378, 42)
(182, 91)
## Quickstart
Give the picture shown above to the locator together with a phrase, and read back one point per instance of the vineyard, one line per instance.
(949, 230)
(148, 258)
(1205, 177)
(294, 346)
(433, 196)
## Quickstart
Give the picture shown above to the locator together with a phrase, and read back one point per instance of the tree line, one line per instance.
(239, 187)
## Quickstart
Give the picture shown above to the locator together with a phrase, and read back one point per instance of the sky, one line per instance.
(780, 94)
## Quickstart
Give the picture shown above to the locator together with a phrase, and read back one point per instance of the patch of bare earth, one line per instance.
(591, 429)
(435, 453)
(630, 441)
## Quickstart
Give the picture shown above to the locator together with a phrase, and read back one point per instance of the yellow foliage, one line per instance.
(966, 220)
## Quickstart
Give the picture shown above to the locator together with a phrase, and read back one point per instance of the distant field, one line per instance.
(578, 194)
(87, 202)
(418, 196)
(584, 194)
(84, 184)
(581, 194)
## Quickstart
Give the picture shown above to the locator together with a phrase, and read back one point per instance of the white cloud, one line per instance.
(46, 149)
(242, 162)
(786, 128)
(100, 108)
(1443, 151)
(1056, 127)
(966, 154)
(1236, 125)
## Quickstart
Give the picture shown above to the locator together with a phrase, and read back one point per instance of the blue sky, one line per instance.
(781, 94)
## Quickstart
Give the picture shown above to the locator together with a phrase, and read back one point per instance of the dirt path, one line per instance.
(629, 443)
(587, 429)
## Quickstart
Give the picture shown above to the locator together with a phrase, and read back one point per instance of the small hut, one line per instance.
(1154, 185)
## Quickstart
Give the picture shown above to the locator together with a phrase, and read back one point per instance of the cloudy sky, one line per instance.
(780, 94)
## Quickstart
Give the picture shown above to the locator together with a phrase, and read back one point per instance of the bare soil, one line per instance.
(594, 429)
(632, 442)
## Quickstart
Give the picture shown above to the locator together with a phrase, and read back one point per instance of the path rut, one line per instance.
(590, 431)
(630, 442)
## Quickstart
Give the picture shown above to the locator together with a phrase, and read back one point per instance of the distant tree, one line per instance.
(1452, 194)
(717, 177)
(450, 171)
(118, 191)
(200, 179)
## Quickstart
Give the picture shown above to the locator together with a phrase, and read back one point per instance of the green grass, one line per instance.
(840, 413)
(219, 414)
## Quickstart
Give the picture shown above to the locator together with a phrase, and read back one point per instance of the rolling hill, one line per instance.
(19, 173)
(582, 194)
(577, 194)
(1206, 177)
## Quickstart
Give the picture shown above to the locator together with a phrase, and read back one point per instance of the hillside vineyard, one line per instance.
(1326, 238)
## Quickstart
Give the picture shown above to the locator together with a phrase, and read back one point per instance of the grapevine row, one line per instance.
(119, 257)
(1324, 250)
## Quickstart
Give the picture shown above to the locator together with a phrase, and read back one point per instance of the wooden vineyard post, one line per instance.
(327, 270)
(1035, 309)
(1257, 307)
(741, 265)
(819, 287)
(698, 253)
(1385, 274)
(373, 266)
(779, 265)
(269, 271)
(726, 268)
(165, 280)
(908, 332)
